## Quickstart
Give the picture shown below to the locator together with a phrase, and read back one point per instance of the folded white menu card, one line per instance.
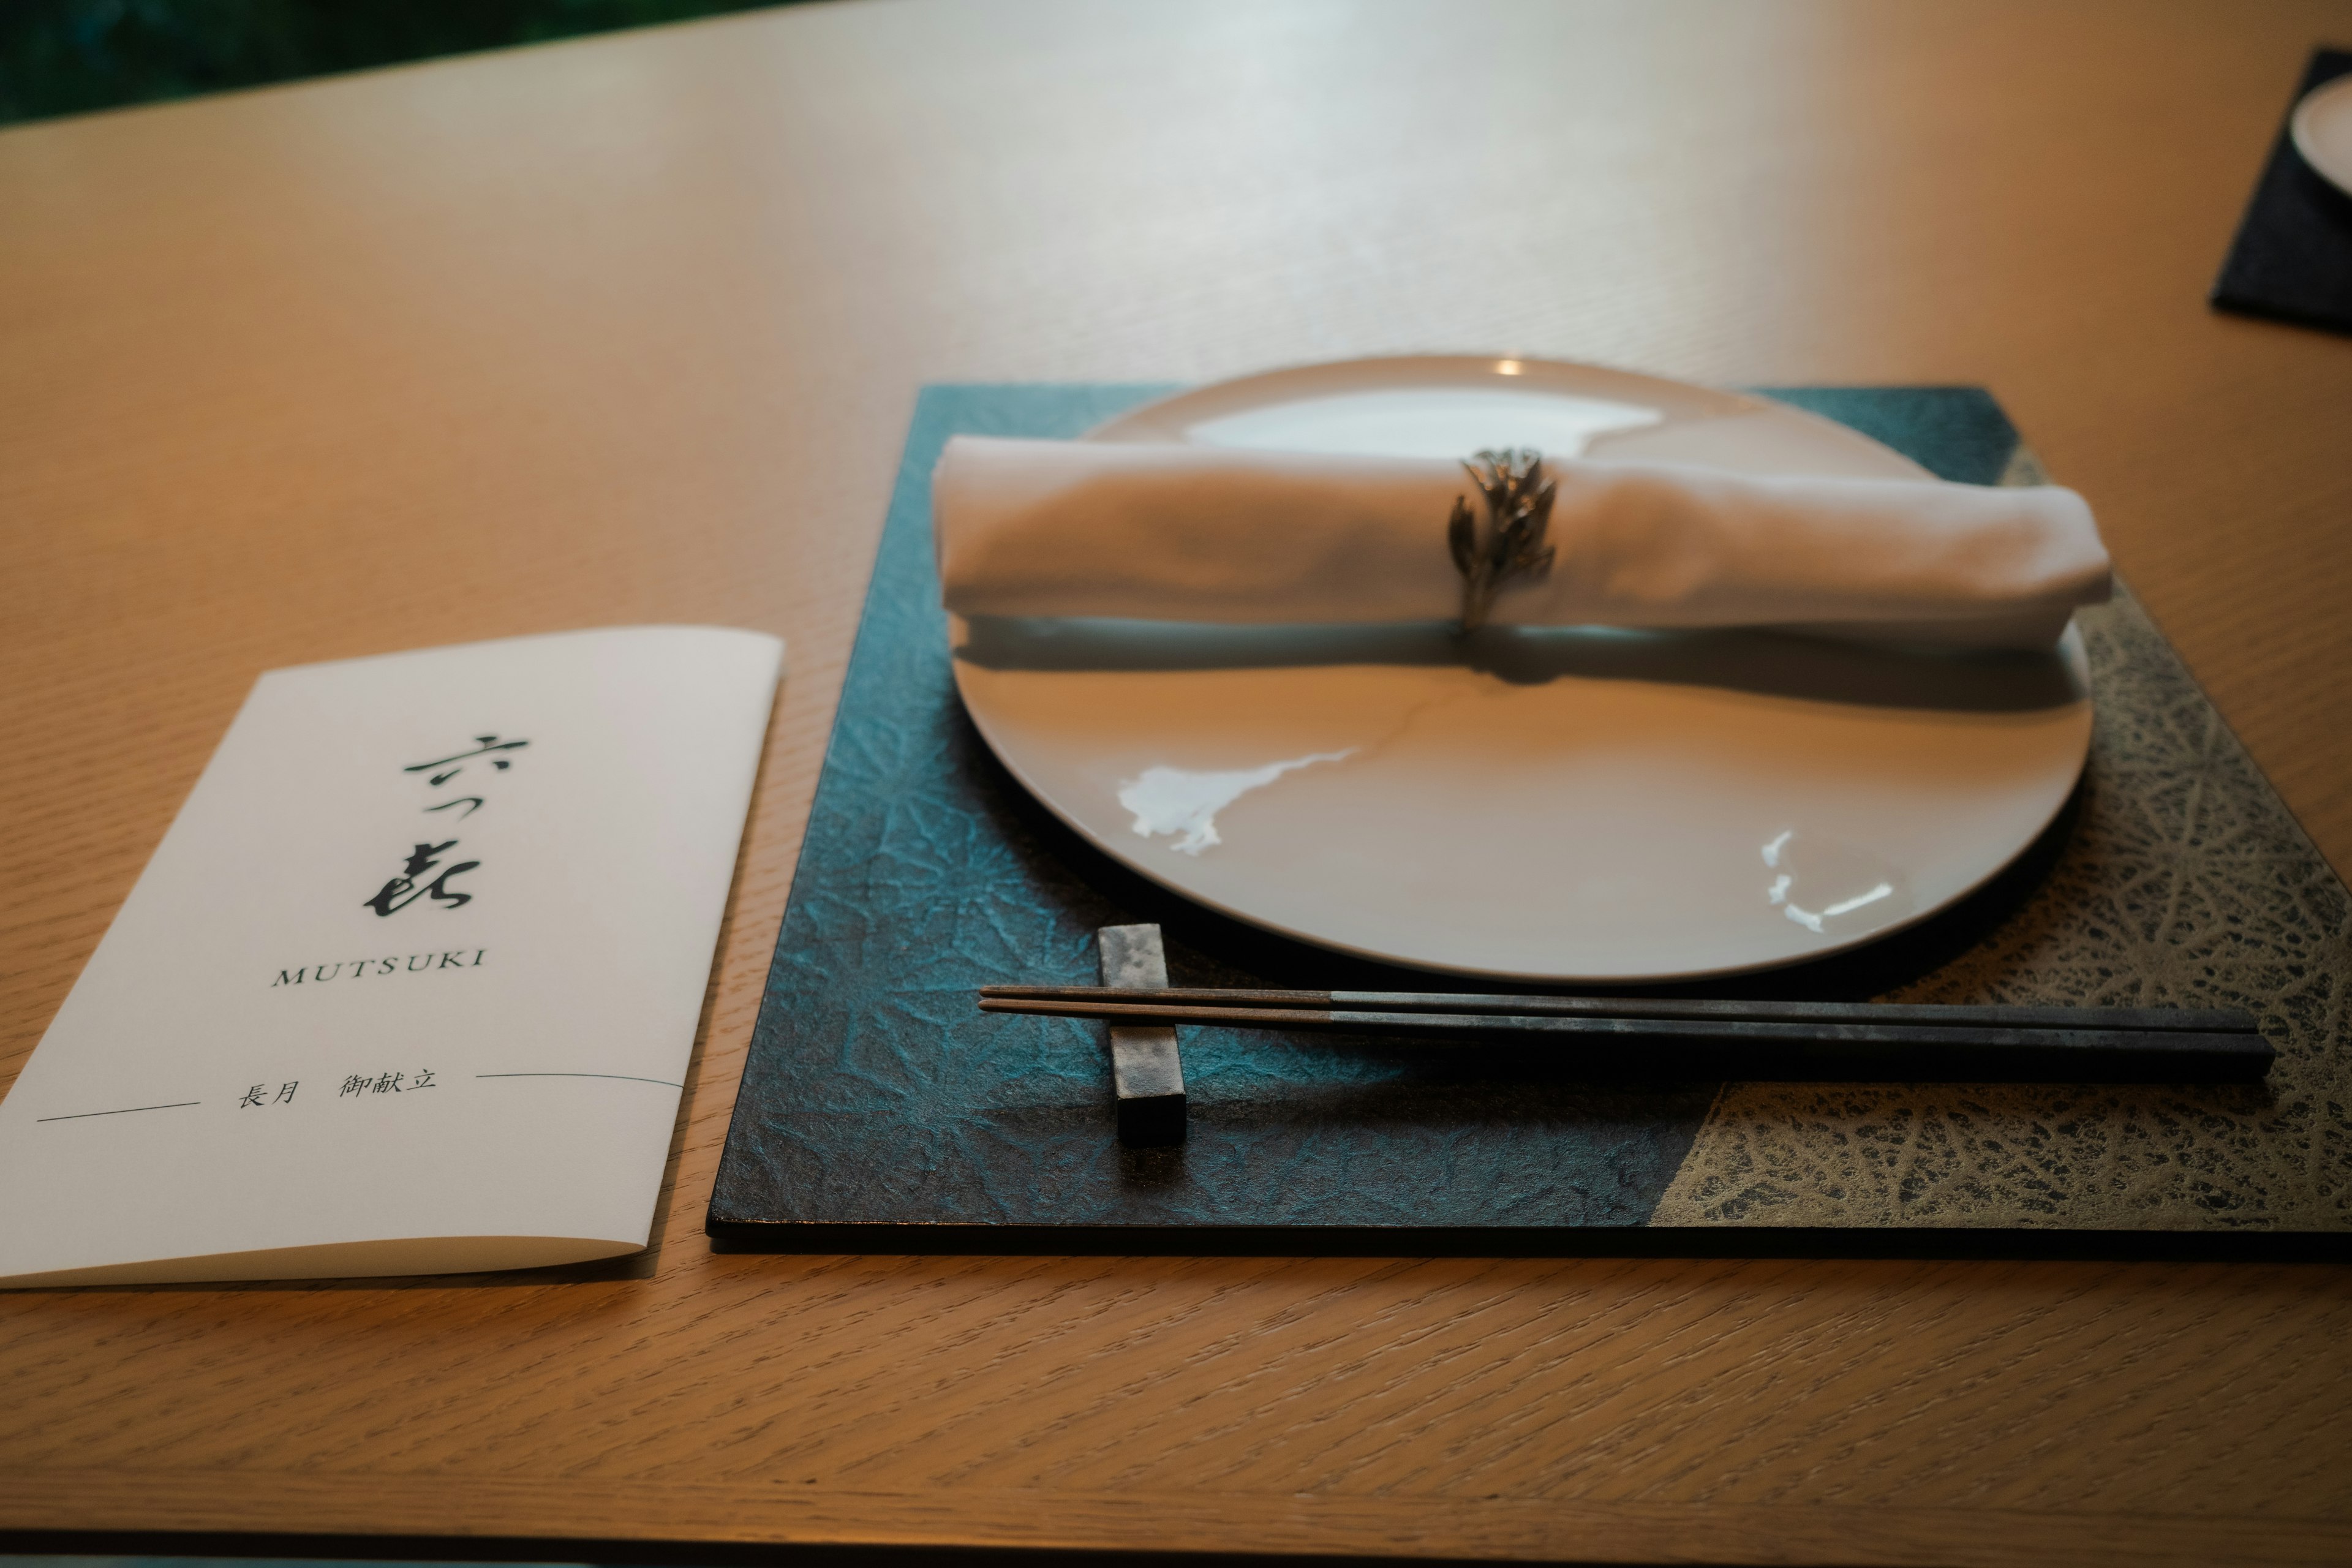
(1176, 532)
(411, 984)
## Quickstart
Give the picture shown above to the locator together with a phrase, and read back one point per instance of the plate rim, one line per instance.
(2068, 646)
(1489, 364)
(2307, 109)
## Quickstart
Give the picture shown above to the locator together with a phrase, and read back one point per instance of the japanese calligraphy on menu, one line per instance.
(412, 983)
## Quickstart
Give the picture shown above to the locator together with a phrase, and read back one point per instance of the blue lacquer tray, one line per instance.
(880, 1112)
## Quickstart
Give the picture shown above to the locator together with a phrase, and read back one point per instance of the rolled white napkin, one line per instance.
(1168, 532)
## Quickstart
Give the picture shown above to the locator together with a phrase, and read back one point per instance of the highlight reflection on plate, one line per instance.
(1568, 805)
(1184, 802)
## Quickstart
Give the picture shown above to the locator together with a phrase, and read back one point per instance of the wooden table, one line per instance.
(628, 330)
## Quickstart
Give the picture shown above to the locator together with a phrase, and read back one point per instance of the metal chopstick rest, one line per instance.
(1147, 1072)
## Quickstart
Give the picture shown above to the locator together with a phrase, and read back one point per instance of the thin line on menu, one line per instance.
(624, 1077)
(124, 1110)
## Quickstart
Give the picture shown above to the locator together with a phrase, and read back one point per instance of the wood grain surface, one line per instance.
(628, 330)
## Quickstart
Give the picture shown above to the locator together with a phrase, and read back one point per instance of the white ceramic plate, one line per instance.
(2322, 127)
(1588, 805)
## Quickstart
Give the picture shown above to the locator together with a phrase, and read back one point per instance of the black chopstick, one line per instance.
(2230, 1020)
(1844, 1040)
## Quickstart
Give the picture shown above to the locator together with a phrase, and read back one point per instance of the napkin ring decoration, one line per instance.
(1519, 496)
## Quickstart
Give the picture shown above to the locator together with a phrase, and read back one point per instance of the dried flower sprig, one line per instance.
(1518, 495)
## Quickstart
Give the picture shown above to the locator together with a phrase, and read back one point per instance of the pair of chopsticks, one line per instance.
(1854, 1041)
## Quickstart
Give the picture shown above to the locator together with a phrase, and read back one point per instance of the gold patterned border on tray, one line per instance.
(2185, 882)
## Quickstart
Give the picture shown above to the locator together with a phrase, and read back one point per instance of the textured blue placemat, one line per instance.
(881, 1111)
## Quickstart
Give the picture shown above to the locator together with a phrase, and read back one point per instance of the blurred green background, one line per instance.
(63, 57)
